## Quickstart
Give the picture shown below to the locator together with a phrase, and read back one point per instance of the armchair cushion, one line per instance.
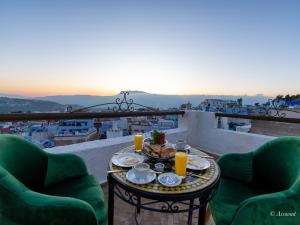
(32, 208)
(25, 161)
(237, 166)
(85, 188)
(63, 166)
(227, 201)
(277, 163)
(264, 209)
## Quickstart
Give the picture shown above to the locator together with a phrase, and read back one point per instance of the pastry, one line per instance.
(156, 148)
(159, 151)
(167, 152)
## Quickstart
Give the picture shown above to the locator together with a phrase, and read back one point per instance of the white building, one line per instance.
(114, 131)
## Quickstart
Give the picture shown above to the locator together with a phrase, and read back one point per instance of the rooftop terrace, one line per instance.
(198, 129)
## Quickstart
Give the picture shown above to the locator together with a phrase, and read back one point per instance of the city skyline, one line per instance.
(170, 47)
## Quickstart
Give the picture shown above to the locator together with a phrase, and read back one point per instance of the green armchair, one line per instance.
(260, 187)
(50, 189)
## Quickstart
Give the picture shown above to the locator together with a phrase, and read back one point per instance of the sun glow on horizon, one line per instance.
(41, 92)
(169, 47)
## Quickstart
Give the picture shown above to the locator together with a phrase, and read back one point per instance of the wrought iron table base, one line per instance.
(170, 204)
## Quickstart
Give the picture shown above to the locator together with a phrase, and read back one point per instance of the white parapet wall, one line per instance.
(202, 132)
(199, 129)
(97, 154)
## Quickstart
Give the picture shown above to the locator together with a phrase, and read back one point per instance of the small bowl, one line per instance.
(169, 179)
(159, 167)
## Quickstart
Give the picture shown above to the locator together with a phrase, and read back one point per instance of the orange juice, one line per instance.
(138, 142)
(181, 159)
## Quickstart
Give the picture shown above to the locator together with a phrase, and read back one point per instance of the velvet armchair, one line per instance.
(260, 187)
(37, 187)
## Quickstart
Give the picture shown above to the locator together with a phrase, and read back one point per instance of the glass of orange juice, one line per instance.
(138, 142)
(181, 159)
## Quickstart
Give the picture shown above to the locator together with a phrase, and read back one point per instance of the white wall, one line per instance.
(202, 132)
(198, 129)
(97, 154)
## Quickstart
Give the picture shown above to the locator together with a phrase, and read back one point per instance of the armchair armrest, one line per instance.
(276, 208)
(237, 166)
(34, 208)
(63, 166)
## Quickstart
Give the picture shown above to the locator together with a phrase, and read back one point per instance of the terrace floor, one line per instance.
(125, 215)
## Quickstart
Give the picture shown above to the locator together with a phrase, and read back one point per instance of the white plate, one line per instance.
(133, 179)
(199, 163)
(127, 159)
(169, 179)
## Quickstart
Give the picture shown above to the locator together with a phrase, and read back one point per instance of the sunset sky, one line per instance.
(158, 46)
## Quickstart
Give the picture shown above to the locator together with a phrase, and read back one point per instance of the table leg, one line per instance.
(138, 208)
(190, 217)
(201, 218)
(136, 216)
(110, 201)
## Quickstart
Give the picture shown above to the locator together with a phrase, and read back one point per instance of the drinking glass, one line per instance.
(181, 159)
(138, 142)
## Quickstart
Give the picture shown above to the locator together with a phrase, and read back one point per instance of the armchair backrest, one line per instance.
(277, 163)
(25, 161)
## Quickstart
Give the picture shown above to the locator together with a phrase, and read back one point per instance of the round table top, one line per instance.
(189, 184)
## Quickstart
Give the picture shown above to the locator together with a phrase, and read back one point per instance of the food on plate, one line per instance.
(194, 162)
(167, 152)
(148, 149)
(129, 160)
(153, 152)
(159, 151)
(155, 148)
(158, 137)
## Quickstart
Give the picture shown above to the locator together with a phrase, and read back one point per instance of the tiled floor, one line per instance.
(124, 215)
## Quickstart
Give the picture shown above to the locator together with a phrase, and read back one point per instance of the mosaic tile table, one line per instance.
(192, 194)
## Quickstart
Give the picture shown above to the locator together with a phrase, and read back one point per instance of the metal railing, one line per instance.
(258, 117)
(120, 107)
(83, 115)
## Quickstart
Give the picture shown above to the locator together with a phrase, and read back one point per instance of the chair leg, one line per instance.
(190, 216)
(138, 206)
(207, 215)
(201, 216)
(110, 202)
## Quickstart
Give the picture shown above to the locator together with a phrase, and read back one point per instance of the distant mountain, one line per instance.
(8, 105)
(134, 92)
(13, 96)
(152, 100)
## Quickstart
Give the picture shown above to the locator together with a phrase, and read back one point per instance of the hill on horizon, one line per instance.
(151, 100)
(8, 105)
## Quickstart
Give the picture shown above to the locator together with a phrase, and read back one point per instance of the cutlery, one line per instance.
(199, 176)
(207, 156)
(116, 171)
(119, 171)
(203, 156)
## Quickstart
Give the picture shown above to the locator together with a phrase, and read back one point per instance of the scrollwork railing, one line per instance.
(120, 104)
(274, 108)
